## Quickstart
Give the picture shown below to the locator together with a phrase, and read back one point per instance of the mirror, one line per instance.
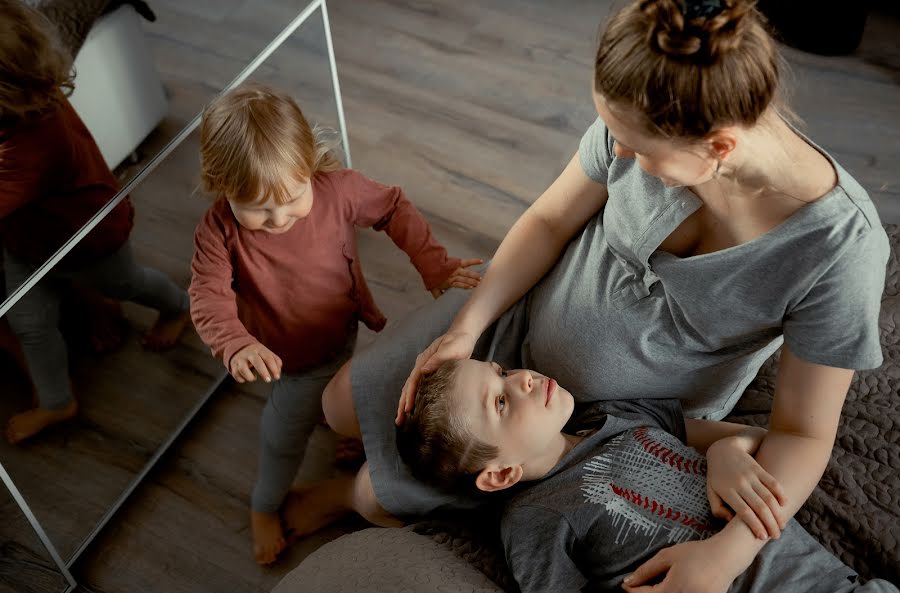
(132, 400)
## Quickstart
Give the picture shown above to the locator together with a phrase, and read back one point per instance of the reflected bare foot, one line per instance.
(268, 537)
(28, 424)
(349, 453)
(165, 332)
(308, 510)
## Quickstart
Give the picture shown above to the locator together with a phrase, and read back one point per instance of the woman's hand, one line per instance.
(454, 345)
(460, 278)
(705, 566)
(258, 358)
(735, 479)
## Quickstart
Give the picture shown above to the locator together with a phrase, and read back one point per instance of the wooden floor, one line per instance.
(473, 108)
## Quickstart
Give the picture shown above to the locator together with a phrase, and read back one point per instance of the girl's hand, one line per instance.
(454, 345)
(735, 479)
(258, 358)
(692, 567)
(460, 278)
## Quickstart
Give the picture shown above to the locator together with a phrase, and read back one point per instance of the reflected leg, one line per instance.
(119, 276)
(35, 321)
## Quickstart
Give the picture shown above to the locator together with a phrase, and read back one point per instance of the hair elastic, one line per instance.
(701, 9)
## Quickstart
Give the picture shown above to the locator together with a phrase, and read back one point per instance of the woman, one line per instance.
(693, 233)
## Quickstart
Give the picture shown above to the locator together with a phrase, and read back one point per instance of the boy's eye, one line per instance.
(501, 402)
(502, 372)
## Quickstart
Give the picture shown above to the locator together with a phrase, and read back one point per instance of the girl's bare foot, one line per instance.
(165, 332)
(308, 510)
(27, 424)
(268, 538)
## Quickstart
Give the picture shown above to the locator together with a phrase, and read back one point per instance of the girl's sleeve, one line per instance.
(386, 208)
(213, 300)
(21, 174)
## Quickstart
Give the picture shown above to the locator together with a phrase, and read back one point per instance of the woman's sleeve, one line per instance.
(836, 322)
(213, 300)
(386, 208)
(596, 152)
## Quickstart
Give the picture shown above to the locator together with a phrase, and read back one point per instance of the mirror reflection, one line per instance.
(99, 363)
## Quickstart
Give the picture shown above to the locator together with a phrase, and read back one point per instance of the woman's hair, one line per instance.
(435, 443)
(253, 139)
(35, 71)
(688, 67)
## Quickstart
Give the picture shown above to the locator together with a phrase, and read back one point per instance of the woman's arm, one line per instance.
(529, 249)
(532, 246)
(795, 450)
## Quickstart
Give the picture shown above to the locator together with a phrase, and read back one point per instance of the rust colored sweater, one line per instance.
(301, 293)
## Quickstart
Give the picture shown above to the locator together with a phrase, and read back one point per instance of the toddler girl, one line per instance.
(277, 287)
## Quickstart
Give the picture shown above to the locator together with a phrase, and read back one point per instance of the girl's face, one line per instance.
(274, 218)
(675, 164)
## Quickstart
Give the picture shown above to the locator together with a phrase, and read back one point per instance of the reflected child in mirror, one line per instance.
(277, 289)
(53, 179)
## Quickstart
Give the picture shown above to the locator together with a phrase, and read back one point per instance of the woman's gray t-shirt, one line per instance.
(629, 321)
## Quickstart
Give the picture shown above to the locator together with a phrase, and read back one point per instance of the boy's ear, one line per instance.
(494, 478)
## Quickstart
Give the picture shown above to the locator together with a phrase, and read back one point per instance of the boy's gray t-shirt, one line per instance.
(628, 490)
(617, 318)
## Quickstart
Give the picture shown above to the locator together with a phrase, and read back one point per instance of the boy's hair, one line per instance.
(688, 70)
(35, 70)
(252, 139)
(435, 443)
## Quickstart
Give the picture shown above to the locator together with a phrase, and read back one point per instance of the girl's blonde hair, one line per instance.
(253, 139)
(688, 67)
(35, 71)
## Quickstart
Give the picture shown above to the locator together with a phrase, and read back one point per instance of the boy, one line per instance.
(614, 483)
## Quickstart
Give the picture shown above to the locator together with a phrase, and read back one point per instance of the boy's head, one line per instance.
(475, 423)
(35, 70)
(258, 151)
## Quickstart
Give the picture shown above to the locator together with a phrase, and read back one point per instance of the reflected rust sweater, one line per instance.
(301, 293)
(53, 179)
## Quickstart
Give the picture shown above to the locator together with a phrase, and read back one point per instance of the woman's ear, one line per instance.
(721, 143)
(494, 478)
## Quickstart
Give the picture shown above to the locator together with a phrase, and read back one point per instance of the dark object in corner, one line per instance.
(826, 27)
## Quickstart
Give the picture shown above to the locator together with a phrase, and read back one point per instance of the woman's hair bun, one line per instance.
(697, 30)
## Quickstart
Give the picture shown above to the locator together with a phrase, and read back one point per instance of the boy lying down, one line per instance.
(611, 484)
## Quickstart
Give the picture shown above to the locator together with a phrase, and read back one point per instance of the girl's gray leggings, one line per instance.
(35, 318)
(287, 422)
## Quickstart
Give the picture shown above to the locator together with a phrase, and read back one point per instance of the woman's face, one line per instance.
(675, 164)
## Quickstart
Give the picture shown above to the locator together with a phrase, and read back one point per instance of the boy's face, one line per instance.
(520, 412)
(274, 218)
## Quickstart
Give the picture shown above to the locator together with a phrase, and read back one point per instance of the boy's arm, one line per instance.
(213, 300)
(700, 434)
(386, 208)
